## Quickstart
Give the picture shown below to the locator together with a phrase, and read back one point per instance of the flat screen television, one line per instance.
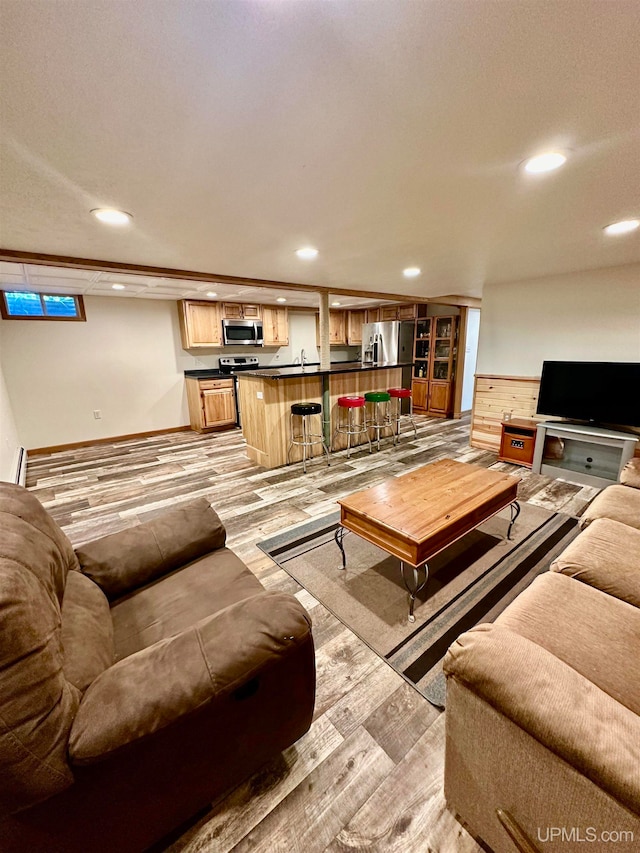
(598, 392)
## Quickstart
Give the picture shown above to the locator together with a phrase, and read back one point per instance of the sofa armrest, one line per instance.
(158, 686)
(630, 474)
(129, 559)
(553, 703)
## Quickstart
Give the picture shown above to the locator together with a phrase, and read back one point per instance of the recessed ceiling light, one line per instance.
(622, 227)
(281, 299)
(111, 216)
(211, 293)
(307, 253)
(336, 304)
(411, 272)
(545, 162)
(118, 287)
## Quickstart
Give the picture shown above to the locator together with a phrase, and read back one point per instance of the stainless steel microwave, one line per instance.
(242, 333)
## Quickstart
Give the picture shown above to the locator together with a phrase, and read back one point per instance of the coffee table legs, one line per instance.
(515, 512)
(413, 584)
(416, 584)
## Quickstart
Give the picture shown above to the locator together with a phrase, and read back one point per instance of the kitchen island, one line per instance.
(267, 394)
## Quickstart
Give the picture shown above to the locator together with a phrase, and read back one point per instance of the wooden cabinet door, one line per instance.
(251, 312)
(388, 312)
(439, 395)
(407, 311)
(372, 315)
(419, 391)
(200, 324)
(355, 319)
(275, 326)
(337, 330)
(218, 407)
(232, 311)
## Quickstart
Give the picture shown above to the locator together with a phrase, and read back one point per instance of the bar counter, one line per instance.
(267, 394)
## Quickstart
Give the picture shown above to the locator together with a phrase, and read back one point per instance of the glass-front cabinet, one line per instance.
(434, 364)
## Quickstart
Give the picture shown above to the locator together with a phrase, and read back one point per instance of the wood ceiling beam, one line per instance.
(63, 261)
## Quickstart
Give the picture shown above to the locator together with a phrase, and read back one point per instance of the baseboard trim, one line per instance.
(56, 448)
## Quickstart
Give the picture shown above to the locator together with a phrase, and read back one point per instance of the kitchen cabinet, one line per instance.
(403, 311)
(200, 323)
(275, 326)
(372, 315)
(337, 327)
(355, 321)
(237, 311)
(212, 403)
(434, 354)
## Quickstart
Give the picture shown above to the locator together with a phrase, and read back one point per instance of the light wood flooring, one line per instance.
(368, 775)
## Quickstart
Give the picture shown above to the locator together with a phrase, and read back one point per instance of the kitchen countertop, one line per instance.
(315, 369)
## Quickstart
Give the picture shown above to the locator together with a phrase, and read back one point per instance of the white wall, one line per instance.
(9, 439)
(126, 361)
(586, 316)
(470, 358)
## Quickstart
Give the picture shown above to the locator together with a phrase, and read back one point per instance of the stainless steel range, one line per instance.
(232, 365)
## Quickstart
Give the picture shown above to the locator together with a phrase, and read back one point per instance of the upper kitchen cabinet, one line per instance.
(275, 326)
(200, 323)
(355, 320)
(236, 311)
(337, 327)
(403, 311)
(372, 315)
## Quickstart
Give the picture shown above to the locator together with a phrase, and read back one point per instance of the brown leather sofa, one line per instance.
(543, 705)
(141, 677)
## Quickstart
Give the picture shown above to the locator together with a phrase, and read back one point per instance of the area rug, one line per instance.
(470, 582)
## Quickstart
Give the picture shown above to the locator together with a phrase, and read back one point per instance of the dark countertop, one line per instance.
(212, 373)
(315, 369)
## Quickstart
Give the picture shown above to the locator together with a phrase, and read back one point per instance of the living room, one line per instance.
(235, 134)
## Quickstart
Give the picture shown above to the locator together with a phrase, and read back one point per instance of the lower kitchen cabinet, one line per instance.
(212, 403)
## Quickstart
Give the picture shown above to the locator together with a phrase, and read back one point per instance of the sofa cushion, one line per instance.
(37, 704)
(131, 558)
(619, 503)
(87, 631)
(630, 474)
(595, 634)
(173, 604)
(605, 555)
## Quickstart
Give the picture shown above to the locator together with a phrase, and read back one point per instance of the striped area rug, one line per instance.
(470, 582)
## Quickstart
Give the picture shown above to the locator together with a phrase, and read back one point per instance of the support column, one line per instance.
(325, 363)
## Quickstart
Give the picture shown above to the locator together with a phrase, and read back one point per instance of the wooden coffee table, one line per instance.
(415, 516)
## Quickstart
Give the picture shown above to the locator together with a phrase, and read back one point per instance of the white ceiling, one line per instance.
(386, 133)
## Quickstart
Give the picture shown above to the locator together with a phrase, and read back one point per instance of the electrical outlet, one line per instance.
(259, 395)
(97, 414)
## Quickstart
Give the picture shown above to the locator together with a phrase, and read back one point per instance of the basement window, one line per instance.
(26, 305)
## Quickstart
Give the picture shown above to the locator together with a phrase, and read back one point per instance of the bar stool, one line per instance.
(351, 426)
(400, 394)
(304, 438)
(378, 419)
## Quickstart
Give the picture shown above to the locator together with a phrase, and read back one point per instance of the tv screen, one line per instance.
(601, 392)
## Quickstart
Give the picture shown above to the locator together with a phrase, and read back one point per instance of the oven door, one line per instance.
(242, 333)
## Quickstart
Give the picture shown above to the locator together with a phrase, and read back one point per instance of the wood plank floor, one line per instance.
(368, 774)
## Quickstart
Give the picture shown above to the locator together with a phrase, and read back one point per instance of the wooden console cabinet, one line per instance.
(517, 441)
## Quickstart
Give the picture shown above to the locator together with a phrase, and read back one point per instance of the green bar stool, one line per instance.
(378, 416)
(303, 437)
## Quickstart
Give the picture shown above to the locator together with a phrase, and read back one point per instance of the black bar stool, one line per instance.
(304, 437)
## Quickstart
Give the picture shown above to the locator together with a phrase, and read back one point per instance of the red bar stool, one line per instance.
(351, 426)
(398, 395)
(304, 437)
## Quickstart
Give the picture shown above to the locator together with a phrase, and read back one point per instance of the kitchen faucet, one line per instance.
(303, 358)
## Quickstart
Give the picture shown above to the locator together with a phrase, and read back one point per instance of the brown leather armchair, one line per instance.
(140, 677)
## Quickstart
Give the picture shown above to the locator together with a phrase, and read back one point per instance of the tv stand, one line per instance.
(580, 453)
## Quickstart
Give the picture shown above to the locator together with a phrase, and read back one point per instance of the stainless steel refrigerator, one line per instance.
(388, 342)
